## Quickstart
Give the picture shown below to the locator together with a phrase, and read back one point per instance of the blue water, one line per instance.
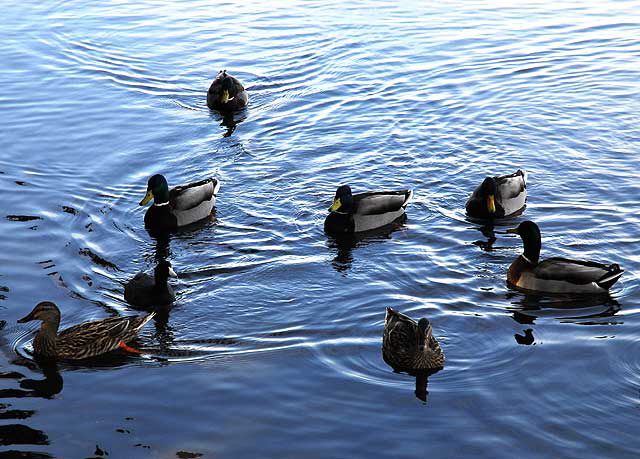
(273, 348)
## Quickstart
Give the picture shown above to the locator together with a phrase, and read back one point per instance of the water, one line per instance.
(273, 346)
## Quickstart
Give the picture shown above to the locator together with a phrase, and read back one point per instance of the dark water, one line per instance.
(273, 346)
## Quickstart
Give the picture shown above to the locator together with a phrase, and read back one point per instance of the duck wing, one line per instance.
(94, 338)
(578, 272)
(185, 197)
(511, 192)
(399, 340)
(381, 202)
(511, 185)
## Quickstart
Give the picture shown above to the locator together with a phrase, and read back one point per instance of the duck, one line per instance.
(148, 291)
(226, 93)
(180, 206)
(84, 340)
(556, 275)
(354, 213)
(498, 197)
(408, 345)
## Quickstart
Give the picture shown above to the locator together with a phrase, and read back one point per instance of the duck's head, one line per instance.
(157, 189)
(45, 311)
(424, 333)
(227, 88)
(163, 271)
(343, 201)
(488, 192)
(531, 239)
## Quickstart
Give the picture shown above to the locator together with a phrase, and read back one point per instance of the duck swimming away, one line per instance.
(151, 291)
(408, 345)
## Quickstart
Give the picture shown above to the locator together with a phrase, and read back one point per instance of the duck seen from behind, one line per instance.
(353, 213)
(556, 275)
(226, 93)
(180, 206)
(408, 345)
(84, 340)
(148, 291)
(498, 197)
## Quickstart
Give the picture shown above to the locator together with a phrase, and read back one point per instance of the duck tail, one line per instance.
(409, 194)
(525, 177)
(610, 277)
(145, 320)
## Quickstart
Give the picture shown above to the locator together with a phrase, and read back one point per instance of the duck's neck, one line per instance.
(45, 341)
(161, 197)
(531, 250)
(346, 205)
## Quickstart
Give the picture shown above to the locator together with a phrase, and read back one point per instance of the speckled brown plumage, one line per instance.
(83, 340)
(401, 345)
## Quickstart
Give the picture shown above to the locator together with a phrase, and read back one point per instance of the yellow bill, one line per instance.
(513, 231)
(148, 197)
(491, 204)
(225, 96)
(336, 205)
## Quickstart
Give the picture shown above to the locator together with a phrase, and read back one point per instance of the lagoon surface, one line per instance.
(273, 347)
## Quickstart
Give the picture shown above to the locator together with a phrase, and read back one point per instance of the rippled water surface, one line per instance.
(273, 346)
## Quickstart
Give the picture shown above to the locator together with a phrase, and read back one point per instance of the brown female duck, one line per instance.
(408, 346)
(83, 340)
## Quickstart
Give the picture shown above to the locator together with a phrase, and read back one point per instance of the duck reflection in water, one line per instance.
(230, 121)
(344, 244)
(527, 308)
(487, 232)
(51, 384)
(409, 346)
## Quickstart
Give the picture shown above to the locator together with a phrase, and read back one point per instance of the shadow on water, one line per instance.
(163, 239)
(422, 381)
(488, 233)
(579, 309)
(48, 387)
(229, 121)
(344, 244)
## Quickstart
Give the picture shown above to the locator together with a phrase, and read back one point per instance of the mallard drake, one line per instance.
(408, 346)
(226, 93)
(556, 275)
(148, 291)
(353, 213)
(83, 340)
(499, 197)
(183, 205)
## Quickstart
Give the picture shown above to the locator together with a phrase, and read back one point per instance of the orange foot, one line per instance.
(129, 349)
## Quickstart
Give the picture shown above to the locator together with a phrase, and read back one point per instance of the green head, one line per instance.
(343, 200)
(228, 89)
(531, 239)
(157, 189)
(488, 192)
